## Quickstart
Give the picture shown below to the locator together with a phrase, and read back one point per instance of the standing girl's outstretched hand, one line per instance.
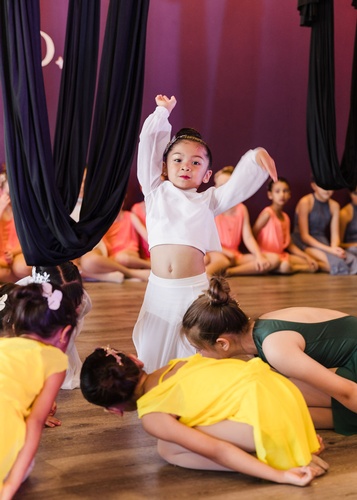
(267, 163)
(168, 103)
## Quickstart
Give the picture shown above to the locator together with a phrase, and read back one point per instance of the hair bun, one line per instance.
(219, 290)
(188, 131)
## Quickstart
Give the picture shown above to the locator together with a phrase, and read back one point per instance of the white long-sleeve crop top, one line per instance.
(186, 217)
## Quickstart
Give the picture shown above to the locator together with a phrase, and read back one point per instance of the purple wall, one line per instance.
(238, 69)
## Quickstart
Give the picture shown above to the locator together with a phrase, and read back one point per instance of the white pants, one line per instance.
(156, 335)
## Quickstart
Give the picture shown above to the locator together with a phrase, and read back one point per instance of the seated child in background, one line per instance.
(272, 231)
(12, 260)
(122, 240)
(32, 369)
(316, 231)
(234, 227)
(212, 414)
(348, 223)
(139, 210)
(96, 265)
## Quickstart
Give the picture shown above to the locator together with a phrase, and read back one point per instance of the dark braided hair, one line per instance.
(105, 381)
(212, 314)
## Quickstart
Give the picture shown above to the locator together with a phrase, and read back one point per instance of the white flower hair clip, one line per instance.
(54, 298)
(112, 352)
(3, 300)
(40, 278)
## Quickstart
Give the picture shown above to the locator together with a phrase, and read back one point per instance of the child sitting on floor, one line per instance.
(316, 232)
(272, 231)
(233, 229)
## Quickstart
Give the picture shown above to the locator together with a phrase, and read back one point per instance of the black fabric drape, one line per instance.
(47, 233)
(75, 105)
(308, 11)
(321, 118)
(118, 107)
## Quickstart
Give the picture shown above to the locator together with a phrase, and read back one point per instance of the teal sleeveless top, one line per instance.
(331, 343)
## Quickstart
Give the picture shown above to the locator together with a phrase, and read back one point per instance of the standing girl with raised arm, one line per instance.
(181, 227)
(32, 369)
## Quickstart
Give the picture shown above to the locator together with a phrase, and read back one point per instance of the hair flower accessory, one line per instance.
(112, 352)
(40, 278)
(3, 300)
(54, 298)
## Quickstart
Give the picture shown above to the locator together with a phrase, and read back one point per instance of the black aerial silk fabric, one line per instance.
(308, 11)
(44, 186)
(75, 105)
(321, 118)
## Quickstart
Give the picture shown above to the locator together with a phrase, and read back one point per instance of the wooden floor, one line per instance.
(96, 455)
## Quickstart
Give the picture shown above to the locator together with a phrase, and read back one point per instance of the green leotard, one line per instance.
(331, 343)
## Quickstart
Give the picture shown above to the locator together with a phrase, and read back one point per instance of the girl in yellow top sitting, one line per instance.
(246, 409)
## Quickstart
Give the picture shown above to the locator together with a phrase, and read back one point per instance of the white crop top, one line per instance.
(186, 217)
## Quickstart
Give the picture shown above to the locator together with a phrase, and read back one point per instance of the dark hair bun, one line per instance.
(188, 131)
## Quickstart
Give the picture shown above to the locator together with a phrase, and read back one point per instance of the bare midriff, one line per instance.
(176, 261)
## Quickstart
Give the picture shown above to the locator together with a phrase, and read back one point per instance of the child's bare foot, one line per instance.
(140, 274)
(319, 465)
(322, 445)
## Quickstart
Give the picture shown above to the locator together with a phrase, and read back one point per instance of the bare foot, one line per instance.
(140, 274)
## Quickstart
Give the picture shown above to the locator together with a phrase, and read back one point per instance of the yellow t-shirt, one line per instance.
(25, 364)
(205, 391)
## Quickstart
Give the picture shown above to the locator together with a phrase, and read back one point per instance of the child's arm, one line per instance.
(251, 243)
(34, 426)
(4, 201)
(283, 346)
(139, 226)
(346, 216)
(247, 177)
(154, 137)
(335, 222)
(261, 221)
(303, 209)
(267, 163)
(166, 427)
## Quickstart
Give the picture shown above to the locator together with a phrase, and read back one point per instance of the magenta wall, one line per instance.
(238, 69)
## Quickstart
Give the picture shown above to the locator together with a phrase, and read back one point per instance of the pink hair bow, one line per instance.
(54, 298)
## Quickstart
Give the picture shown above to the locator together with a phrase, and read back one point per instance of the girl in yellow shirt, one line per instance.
(212, 414)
